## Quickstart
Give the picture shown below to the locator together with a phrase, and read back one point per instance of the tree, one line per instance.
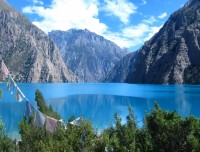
(6, 144)
(43, 107)
(122, 137)
(170, 132)
(1, 128)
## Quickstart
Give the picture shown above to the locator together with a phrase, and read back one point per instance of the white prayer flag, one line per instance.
(4, 70)
(19, 95)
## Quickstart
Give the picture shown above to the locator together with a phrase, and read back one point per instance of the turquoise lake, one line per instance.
(98, 102)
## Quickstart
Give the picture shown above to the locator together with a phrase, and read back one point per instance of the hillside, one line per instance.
(27, 51)
(172, 55)
(87, 54)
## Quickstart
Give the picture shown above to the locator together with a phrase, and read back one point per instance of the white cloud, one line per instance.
(120, 8)
(120, 40)
(133, 36)
(38, 2)
(81, 14)
(66, 14)
(144, 2)
(150, 20)
(136, 31)
(136, 35)
(163, 15)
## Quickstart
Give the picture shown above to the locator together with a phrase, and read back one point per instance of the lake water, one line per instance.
(98, 102)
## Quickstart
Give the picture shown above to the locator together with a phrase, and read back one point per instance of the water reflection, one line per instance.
(183, 104)
(99, 109)
(11, 114)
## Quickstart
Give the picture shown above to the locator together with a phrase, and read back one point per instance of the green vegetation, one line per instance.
(74, 138)
(43, 107)
(163, 131)
(6, 144)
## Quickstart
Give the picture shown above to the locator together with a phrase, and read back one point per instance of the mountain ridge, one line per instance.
(27, 51)
(171, 56)
(88, 55)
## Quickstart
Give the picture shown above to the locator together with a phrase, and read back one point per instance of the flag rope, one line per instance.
(11, 85)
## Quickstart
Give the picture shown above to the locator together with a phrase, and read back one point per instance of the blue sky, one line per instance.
(128, 23)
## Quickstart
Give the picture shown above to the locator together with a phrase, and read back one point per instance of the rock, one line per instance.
(172, 55)
(27, 51)
(87, 54)
(121, 70)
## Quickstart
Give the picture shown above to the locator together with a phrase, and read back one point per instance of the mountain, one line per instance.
(27, 51)
(120, 71)
(87, 54)
(172, 55)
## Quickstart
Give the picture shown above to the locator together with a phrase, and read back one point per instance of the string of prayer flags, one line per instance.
(8, 83)
(51, 124)
(29, 110)
(4, 70)
(11, 85)
(63, 124)
(19, 95)
(39, 119)
(77, 121)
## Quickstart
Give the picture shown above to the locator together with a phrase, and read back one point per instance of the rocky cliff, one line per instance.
(121, 69)
(172, 55)
(87, 54)
(27, 51)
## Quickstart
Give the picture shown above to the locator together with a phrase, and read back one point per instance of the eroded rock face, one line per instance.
(27, 51)
(87, 54)
(172, 56)
(121, 70)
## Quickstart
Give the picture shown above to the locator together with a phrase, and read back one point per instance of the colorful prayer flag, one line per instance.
(51, 124)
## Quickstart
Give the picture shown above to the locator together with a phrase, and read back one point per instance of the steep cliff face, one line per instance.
(121, 70)
(172, 55)
(87, 54)
(27, 51)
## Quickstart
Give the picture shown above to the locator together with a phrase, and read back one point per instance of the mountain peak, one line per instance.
(5, 6)
(86, 30)
(83, 51)
(74, 30)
